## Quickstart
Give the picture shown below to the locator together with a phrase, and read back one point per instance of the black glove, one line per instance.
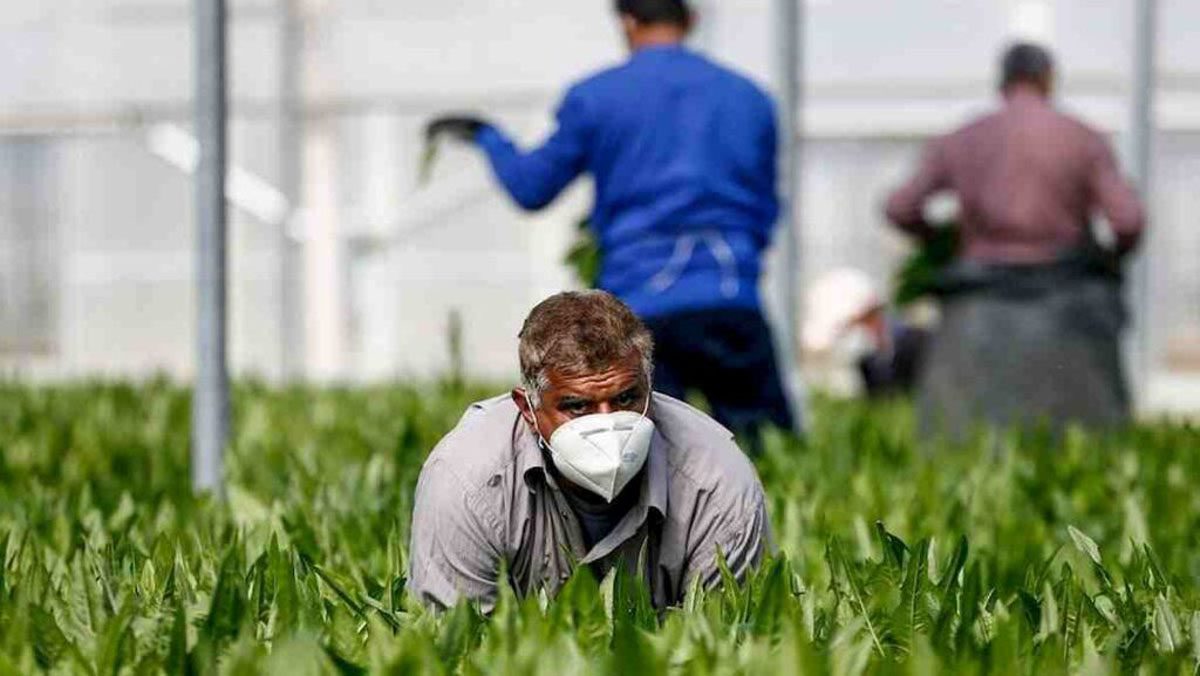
(1104, 260)
(459, 127)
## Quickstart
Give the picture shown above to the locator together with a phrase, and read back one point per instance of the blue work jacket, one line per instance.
(683, 154)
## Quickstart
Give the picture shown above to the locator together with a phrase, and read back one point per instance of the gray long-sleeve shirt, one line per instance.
(485, 498)
(1028, 179)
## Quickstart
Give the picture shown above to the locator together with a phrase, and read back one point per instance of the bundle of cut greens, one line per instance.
(917, 278)
(583, 257)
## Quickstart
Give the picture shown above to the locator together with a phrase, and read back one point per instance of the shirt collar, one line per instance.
(669, 48)
(654, 491)
(531, 466)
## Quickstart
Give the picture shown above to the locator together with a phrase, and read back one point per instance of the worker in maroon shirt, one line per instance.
(1032, 309)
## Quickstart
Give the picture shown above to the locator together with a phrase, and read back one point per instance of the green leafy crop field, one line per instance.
(1008, 555)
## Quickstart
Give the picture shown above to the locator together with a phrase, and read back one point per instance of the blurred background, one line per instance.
(342, 268)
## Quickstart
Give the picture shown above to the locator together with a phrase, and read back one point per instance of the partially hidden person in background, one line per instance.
(1032, 307)
(848, 325)
(583, 465)
(683, 154)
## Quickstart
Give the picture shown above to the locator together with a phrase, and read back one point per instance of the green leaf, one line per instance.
(49, 642)
(894, 549)
(1195, 636)
(584, 256)
(1166, 626)
(953, 569)
(340, 587)
(114, 642)
(1051, 622)
(227, 607)
(911, 617)
(917, 277)
(770, 598)
(1085, 544)
(460, 631)
(858, 594)
(1159, 580)
(177, 650)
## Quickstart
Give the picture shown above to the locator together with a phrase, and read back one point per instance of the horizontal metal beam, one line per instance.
(132, 114)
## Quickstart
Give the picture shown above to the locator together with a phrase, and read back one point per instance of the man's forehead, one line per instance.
(613, 379)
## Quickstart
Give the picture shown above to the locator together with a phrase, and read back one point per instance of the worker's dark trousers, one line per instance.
(1046, 354)
(727, 356)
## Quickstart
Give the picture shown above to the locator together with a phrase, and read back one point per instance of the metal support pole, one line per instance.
(210, 402)
(790, 39)
(291, 162)
(1140, 149)
(790, 54)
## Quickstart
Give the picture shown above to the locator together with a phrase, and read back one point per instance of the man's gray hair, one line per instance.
(578, 332)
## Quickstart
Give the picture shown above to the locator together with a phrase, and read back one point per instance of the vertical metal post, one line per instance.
(210, 402)
(790, 55)
(291, 162)
(1140, 149)
(790, 47)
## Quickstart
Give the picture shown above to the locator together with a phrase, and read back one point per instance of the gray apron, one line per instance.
(1023, 345)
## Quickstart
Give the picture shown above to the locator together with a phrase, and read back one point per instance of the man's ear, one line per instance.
(629, 24)
(1047, 85)
(522, 401)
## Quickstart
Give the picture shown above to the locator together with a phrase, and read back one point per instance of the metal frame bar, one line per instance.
(291, 180)
(1140, 149)
(210, 401)
(789, 38)
(790, 54)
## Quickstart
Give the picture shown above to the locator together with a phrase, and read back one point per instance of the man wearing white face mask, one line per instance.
(583, 466)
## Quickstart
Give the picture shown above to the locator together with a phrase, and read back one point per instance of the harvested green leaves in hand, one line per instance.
(918, 276)
(583, 257)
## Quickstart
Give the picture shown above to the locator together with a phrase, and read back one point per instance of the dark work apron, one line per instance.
(1023, 345)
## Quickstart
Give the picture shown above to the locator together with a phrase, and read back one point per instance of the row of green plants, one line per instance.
(1016, 553)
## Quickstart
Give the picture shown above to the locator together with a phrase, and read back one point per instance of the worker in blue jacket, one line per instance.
(683, 153)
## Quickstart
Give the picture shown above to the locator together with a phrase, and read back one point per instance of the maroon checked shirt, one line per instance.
(1028, 179)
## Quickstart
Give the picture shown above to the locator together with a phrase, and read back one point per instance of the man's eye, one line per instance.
(628, 399)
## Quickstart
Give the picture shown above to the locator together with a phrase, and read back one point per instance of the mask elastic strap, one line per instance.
(533, 411)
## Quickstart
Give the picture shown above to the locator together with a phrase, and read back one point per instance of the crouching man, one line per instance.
(583, 466)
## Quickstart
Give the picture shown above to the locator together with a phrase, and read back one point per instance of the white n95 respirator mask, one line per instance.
(602, 452)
